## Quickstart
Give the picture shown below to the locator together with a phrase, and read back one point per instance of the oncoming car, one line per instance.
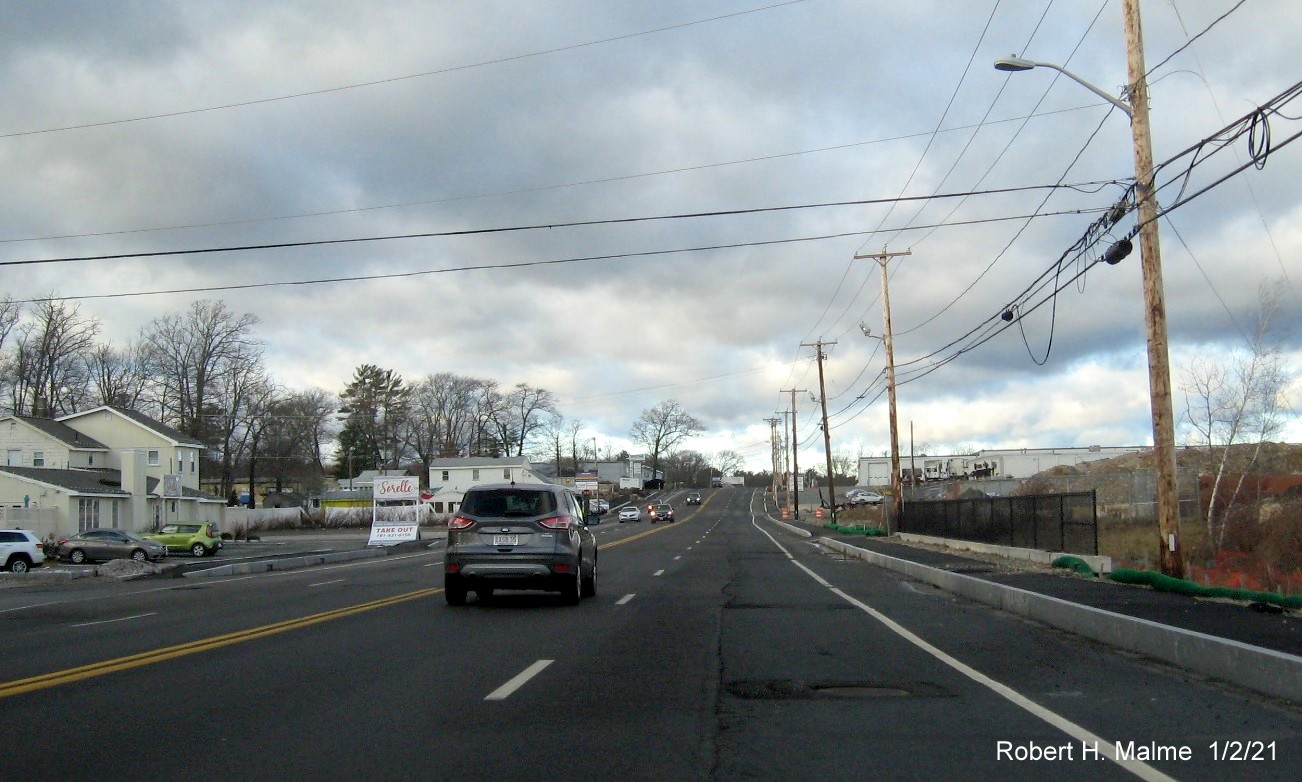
(662, 511)
(519, 536)
(629, 513)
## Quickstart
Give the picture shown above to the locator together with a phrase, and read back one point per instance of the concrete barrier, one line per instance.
(1266, 671)
(1100, 564)
(287, 563)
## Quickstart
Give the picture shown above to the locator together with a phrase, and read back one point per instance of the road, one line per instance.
(719, 647)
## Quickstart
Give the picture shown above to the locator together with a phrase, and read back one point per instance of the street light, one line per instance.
(1014, 64)
(1159, 368)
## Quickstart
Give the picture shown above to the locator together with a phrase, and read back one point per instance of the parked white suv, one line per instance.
(20, 550)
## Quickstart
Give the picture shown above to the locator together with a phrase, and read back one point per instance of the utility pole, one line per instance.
(1159, 370)
(786, 468)
(795, 457)
(897, 486)
(827, 433)
(773, 452)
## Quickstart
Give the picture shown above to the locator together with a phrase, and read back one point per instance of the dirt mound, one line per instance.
(117, 568)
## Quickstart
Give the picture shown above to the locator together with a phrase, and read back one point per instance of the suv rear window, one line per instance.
(508, 502)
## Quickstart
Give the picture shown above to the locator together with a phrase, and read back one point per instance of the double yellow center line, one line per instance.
(167, 653)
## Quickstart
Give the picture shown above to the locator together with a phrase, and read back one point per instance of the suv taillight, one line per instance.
(459, 522)
(557, 522)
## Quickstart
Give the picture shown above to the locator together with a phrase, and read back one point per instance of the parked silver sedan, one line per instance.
(101, 544)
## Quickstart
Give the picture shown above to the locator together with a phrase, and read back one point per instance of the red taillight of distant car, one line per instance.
(557, 522)
(459, 522)
(562, 569)
(451, 568)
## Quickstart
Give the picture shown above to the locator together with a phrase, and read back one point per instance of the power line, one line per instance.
(482, 267)
(392, 79)
(507, 229)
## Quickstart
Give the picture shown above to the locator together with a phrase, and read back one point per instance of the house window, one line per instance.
(87, 514)
(153, 458)
(90, 460)
(438, 507)
(38, 458)
(113, 506)
(506, 474)
(445, 475)
(474, 475)
(194, 457)
(14, 458)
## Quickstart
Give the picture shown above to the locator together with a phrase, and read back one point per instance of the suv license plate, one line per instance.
(506, 540)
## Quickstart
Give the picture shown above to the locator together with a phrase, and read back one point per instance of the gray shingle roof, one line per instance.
(97, 482)
(176, 435)
(79, 481)
(62, 433)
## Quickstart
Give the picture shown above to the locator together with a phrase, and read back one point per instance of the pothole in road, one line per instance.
(790, 689)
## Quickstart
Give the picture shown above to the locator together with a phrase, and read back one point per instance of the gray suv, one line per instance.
(519, 536)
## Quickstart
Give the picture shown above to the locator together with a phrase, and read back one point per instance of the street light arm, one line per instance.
(1014, 64)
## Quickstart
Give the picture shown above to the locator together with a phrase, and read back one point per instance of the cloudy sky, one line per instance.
(727, 161)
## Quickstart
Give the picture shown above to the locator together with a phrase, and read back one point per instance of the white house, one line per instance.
(449, 478)
(106, 467)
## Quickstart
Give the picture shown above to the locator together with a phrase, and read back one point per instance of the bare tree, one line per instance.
(687, 467)
(572, 429)
(191, 354)
(662, 428)
(230, 422)
(729, 462)
(1242, 402)
(292, 429)
(845, 463)
(441, 416)
(48, 369)
(524, 412)
(117, 377)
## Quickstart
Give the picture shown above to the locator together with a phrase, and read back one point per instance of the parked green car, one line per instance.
(198, 538)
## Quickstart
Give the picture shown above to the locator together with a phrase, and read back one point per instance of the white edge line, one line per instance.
(119, 619)
(323, 583)
(520, 679)
(1138, 768)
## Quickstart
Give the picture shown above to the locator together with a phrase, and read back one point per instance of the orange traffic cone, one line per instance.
(818, 514)
(786, 514)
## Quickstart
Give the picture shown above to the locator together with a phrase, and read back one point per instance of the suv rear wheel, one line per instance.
(454, 591)
(18, 564)
(588, 587)
(572, 590)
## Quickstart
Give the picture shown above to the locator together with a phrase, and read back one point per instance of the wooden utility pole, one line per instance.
(774, 453)
(827, 433)
(897, 486)
(1159, 368)
(795, 448)
(786, 468)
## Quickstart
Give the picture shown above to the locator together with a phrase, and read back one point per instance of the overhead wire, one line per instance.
(407, 77)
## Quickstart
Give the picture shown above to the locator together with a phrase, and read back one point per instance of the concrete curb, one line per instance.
(288, 563)
(1266, 671)
(1099, 564)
